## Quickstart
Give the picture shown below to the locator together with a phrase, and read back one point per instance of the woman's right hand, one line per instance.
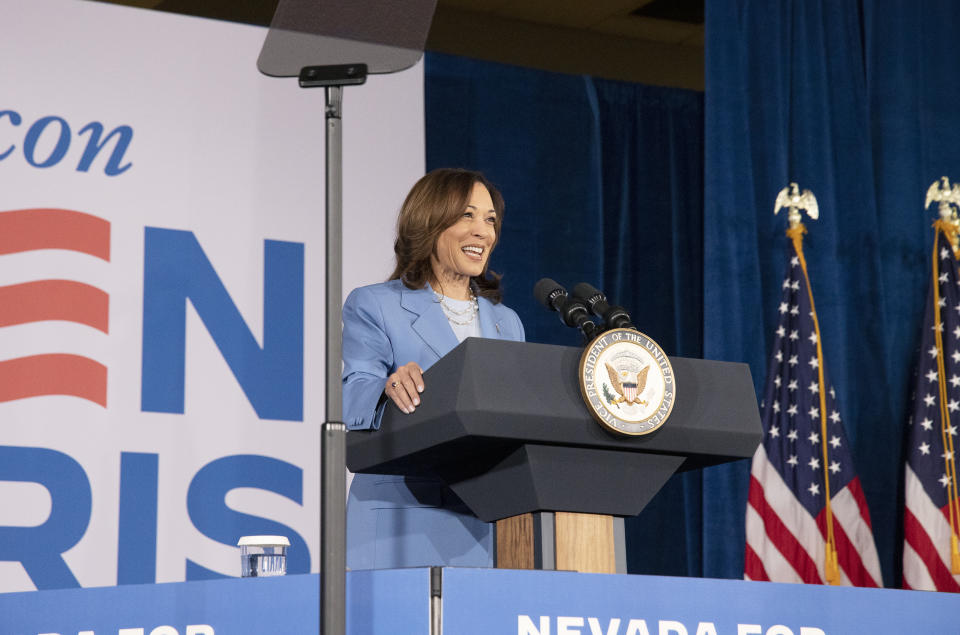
(404, 386)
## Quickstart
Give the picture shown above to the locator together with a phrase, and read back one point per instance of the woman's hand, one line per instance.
(404, 386)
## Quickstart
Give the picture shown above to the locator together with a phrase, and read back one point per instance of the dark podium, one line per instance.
(505, 427)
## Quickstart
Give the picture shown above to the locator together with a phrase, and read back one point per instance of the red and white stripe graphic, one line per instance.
(43, 320)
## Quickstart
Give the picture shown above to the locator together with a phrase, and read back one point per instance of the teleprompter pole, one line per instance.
(333, 453)
(333, 560)
(332, 44)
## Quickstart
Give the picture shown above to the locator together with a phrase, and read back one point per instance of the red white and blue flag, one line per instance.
(930, 521)
(804, 458)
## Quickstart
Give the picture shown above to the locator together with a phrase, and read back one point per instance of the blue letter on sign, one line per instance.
(137, 532)
(210, 514)
(176, 269)
(15, 120)
(39, 548)
(124, 135)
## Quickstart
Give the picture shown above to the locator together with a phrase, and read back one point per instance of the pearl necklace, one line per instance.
(460, 317)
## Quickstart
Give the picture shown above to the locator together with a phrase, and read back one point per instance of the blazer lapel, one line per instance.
(430, 324)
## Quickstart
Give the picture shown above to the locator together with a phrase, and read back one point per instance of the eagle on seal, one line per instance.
(629, 386)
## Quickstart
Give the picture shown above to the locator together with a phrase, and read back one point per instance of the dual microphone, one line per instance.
(575, 310)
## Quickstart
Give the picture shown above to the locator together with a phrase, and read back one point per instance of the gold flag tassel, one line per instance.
(950, 467)
(954, 554)
(831, 566)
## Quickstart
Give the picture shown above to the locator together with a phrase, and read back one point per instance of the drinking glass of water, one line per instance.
(263, 556)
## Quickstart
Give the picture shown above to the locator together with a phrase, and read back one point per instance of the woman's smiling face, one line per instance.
(464, 248)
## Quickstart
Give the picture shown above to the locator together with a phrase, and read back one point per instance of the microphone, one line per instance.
(549, 293)
(573, 312)
(615, 317)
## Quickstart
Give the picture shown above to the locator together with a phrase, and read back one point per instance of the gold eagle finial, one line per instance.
(794, 200)
(948, 199)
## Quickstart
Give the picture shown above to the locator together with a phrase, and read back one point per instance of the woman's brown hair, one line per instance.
(436, 202)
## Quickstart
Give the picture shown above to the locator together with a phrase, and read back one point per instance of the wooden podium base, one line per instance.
(564, 541)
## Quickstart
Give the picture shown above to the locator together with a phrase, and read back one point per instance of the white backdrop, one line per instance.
(217, 150)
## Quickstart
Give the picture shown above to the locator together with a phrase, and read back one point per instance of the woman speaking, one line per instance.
(439, 294)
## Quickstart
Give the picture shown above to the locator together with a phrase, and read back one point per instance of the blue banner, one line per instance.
(397, 602)
(560, 603)
(393, 601)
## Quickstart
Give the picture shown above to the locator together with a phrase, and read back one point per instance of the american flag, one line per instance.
(786, 525)
(930, 472)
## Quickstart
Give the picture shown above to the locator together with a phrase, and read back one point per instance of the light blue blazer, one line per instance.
(393, 521)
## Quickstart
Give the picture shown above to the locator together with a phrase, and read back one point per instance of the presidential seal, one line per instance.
(627, 382)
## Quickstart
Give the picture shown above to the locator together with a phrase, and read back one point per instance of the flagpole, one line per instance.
(790, 490)
(794, 200)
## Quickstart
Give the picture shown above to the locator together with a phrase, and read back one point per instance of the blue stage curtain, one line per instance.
(854, 101)
(603, 183)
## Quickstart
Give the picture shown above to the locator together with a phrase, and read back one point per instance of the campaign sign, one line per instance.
(162, 289)
(559, 603)
(394, 601)
(481, 602)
